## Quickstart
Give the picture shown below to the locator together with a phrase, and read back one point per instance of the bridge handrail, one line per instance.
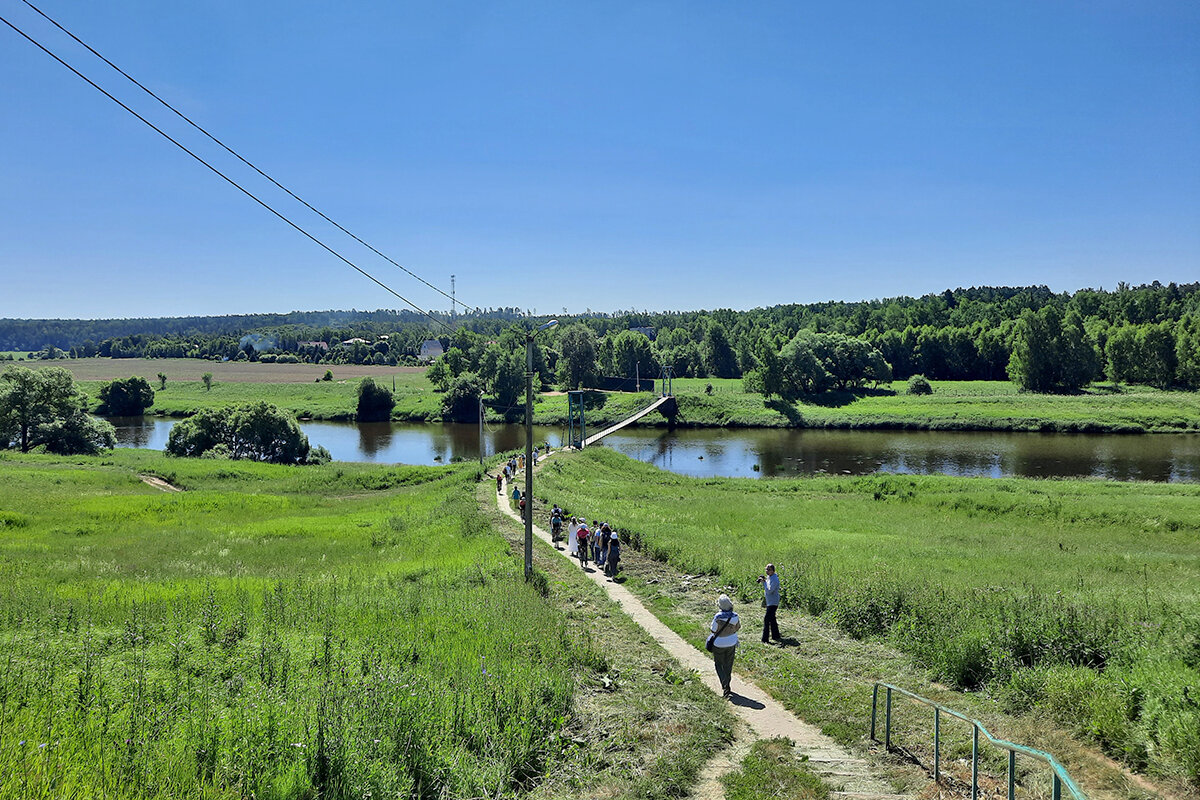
(1060, 775)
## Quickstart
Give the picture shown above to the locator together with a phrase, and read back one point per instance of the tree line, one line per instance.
(1143, 334)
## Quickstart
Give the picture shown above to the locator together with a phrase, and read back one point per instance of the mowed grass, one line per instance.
(322, 400)
(271, 632)
(1081, 598)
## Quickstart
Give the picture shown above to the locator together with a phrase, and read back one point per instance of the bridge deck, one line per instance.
(595, 437)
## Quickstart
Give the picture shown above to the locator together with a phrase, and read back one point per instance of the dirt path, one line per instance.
(159, 483)
(763, 715)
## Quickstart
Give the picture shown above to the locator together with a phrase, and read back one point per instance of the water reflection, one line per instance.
(767, 452)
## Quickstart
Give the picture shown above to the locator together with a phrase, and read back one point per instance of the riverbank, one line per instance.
(1076, 600)
(703, 403)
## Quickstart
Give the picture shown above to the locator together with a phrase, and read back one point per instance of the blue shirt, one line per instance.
(771, 590)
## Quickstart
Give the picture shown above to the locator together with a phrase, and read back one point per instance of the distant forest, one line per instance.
(1136, 334)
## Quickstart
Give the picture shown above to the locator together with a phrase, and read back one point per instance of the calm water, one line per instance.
(767, 452)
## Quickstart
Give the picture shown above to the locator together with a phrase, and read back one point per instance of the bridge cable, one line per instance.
(228, 179)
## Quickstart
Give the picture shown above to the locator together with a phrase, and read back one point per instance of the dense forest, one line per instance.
(1046, 341)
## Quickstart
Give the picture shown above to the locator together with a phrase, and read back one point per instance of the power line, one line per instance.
(227, 179)
(239, 157)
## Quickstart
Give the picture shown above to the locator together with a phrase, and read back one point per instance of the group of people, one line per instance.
(600, 544)
(723, 630)
(597, 542)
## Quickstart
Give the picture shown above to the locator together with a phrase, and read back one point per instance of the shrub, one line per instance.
(375, 402)
(257, 431)
(461, 401)
(328, 376)
(126, 398)
(919, 384)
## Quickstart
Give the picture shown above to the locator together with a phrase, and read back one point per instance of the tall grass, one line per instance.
(272, 632)
(1079, 597)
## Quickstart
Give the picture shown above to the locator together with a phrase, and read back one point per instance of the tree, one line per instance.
(719, 359)
(256, 431)
(509, 380)
(44, 407)
(803, 372)
(1121, 354)
(439, 375)
(126, 398)
(162, 380)
(1052, 353)
(577, 366)
(1187, 351)
(1157, 346)
(632, 355)
(460, 403)
(375, 402)
(207, 380)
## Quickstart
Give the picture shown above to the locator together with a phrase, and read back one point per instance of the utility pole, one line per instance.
(453, 305)
(481, 431)
(529, 446)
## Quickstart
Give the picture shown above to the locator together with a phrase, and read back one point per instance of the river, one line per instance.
(767, 452)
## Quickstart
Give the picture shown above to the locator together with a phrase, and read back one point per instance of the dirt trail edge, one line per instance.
(159, 483)
(765, 717)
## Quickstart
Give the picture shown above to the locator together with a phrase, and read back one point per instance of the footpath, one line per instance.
(765, 718)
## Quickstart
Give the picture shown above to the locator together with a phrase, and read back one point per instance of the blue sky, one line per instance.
(660, 155)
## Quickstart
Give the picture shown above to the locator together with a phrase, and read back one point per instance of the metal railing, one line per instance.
(1058, 773)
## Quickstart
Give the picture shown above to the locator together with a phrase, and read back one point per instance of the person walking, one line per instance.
(723, 640)
(612, 561)
(572, 542)
(582, 538)
(770, 582)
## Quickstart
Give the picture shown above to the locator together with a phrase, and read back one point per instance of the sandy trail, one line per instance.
(762, 714)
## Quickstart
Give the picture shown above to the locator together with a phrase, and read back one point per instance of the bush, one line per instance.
(375, 402)
(328, 376)
(919, 384)
(256, 431)
(461, 401)
(126, 398)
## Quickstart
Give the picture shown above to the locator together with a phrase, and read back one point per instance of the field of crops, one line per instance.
(340, 631)
(1081, 598)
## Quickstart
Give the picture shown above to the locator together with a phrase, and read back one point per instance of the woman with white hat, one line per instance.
(722, 641)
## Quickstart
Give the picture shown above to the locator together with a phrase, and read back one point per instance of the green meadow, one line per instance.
(954, 405)
(271, 632)
(1080, 599)
(324, 400)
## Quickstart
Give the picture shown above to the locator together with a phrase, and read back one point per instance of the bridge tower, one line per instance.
(576, 430)
(667, 388)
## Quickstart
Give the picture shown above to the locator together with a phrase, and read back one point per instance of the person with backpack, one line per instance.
(602, 546)
(582, 536)
(556, 526)
(722, 642)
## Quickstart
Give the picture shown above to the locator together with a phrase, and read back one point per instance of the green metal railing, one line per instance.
(1058, 773)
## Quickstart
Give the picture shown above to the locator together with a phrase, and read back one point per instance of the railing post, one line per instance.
(874, 696)
(937, 745)
(975, 762)
(887, 725)
(1057, 792)
(1012, 774)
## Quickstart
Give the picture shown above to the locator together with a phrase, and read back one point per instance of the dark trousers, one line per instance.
(723, 661)
(770, 626)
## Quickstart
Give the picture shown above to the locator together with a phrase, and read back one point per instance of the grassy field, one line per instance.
(278, 632)
(1079, 599)
(954, 405)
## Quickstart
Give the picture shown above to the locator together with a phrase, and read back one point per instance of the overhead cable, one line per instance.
(228, 179)
(239, 156)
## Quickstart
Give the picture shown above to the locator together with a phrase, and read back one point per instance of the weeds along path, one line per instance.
(763, 715)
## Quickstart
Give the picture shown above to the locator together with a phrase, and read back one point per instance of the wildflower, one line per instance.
(43, 744)
(298, 744)
(22, 743)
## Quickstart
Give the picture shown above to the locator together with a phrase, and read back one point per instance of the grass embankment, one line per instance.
(1078, 598)
(954, 405)
(343, 631)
